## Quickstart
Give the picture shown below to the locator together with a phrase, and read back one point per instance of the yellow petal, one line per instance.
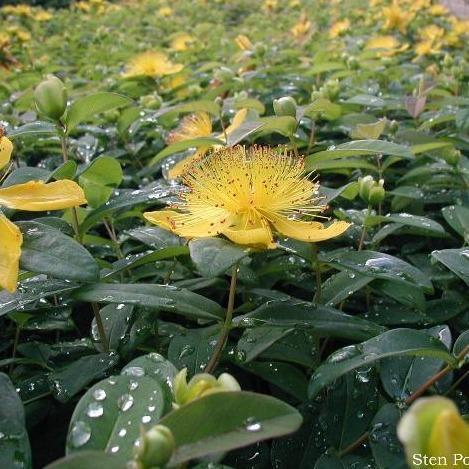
(256, 236)
(37, 196)
(182, 166)
(238, 119)
(309, 231)
(162, 218)
(10, 252)
(6, 147)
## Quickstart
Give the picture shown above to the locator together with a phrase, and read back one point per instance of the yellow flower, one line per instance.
(165, 11)
(244, 194)
(32, 196)
(385, 46)
(270, 5)
(181, 42)
(243, 42)
(302, 28)
(458, 29)
(339, 28)
(396, 18)
(153, 64)
(431, 40)
(438, 10)
(20, 34)
(195, 126)
(42, 15)
(20, 10)
(82, 6)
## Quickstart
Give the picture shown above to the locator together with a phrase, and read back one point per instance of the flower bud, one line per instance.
(155, 447)
(201, 385)
(260, 49)
(50, 97)
(451, 155)
(370, 191)
(433, 427)
(224, 74)
(285, 106)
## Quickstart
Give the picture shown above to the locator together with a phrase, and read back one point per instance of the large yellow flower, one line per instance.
(153, 64)
(385, 46)
(245, 195)
(33, 196)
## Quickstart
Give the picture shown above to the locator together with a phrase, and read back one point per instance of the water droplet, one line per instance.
(122, 432)
(252, 425)
(80, 434)
(133, 371)
(146, 419)
(99, 394)
(133, 385)
(114, 449)
(125, 402)
(94, 410)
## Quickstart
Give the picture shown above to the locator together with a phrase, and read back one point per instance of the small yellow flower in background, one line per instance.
(396, 17)
(181, 42)
(385, 46)
(200, 385)
(458, 29)
(339, 28)
(302, 29)
(82, 6)
(270, 5)
(42, 15)
(32, 196)
(165, 12)
(438, 10)
(20, 34)
(244, 194)
(196, 126)
(243, 42)
(19, 10)
(431, 41)
(153, 64)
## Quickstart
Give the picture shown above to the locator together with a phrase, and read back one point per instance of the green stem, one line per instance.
(294, 145)
(215, 358)
(99, 324)
(76, 228)
(362, 237)
(15, 346)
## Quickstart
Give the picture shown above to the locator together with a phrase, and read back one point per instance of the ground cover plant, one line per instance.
(234, 234)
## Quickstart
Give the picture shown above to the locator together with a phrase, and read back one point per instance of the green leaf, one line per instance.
(87, 459)
(321, 319)
(379, 265)
(286, 377)
(48, 251)
(30, 292)
(461, 342)
(457, 260)
(425, 147)
(99, 179)
(66, 170)
(242, 132)
(125, 199)
(33, 128)
(360, 147)
(385, 446)
(457, 216)
(163, 297)
(109, 416)
(193, 349)
(408, 219)
(394, 343)
(184, 145)
(284, 125)
(340, 286)
(15, 452)
(153, 365)
(84, 108)
(225, 421)
(366, 100)
(67, 382)
(214, 256)
(369, 131)
(321, 107)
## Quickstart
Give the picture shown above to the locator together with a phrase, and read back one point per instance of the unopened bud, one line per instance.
(154, 447)
(285, 106)
(50, 97)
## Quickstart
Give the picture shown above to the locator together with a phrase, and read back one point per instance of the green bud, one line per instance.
(352, 63)
(259, 49)
(376, 195)
(201, 385)
(152, 101)
(155, 447)
(50, 97)
(364, 186)
(224, 74)
(285, 106)
(448, 61)
(393, 126)
(451, 155)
